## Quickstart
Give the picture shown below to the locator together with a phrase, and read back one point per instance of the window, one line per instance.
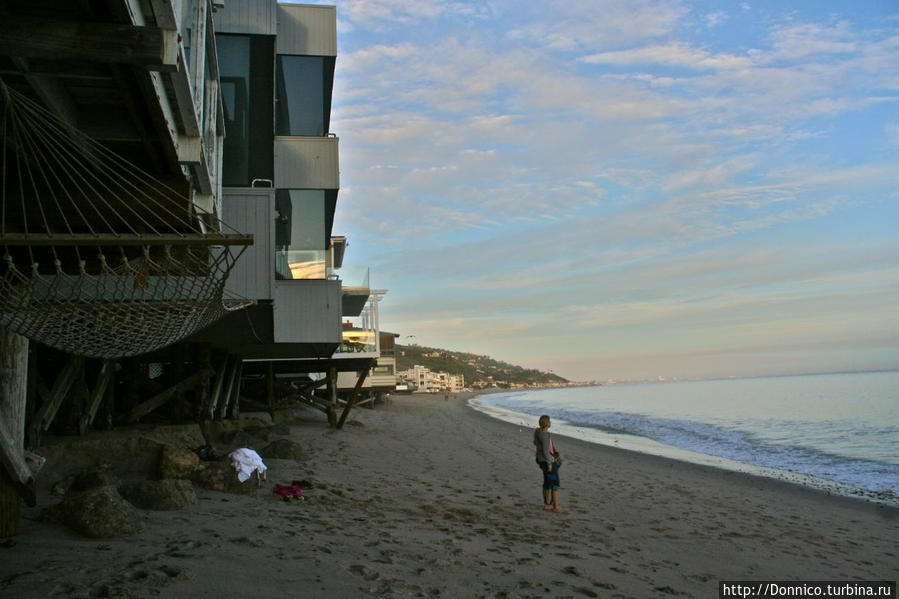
(303, 87)
(246, 74)
(300, 234)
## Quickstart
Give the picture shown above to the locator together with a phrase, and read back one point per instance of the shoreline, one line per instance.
(650, 447)
(431, 498)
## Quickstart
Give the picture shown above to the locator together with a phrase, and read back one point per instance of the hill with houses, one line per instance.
(479, 371)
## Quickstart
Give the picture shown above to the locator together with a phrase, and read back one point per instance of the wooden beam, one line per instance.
(161, 398)
(30, 37)
(332, 396)
(16, 478)
(49, 90)
(232, 407)
(351, 400)
(226, 394)
(270, 386)
(217, 387)
(61, 386)
(96, 398)
(129, 239)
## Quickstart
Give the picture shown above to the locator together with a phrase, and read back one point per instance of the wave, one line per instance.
(730, 443)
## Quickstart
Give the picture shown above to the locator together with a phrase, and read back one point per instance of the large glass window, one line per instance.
(246, 73)
(303, 88)
(300, 234)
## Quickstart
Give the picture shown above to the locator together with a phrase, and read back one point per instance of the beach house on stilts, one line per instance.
(132, 132)
(281, 178)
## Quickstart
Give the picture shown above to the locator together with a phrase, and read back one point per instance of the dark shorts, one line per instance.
(550, 479)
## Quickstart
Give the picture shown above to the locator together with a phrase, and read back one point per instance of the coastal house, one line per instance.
(281, 183)
(113, 133)
(381, 379)
(132, 133)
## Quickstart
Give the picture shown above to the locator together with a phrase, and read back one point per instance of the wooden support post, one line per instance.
(96, 397)
(332, 397)
(160, 398)
(270, 387)
(39, 37)
(352, 398)
(217, 387)
(234, 363)
(61, 387)
(233, 407)
(15, 476)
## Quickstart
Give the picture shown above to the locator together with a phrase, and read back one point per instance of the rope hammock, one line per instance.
(100, 259)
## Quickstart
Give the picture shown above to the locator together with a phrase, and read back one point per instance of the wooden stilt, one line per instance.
(352, 398)
(96, 397)
(61, 386)
(16, 479)
(233, 363)
(332, 397)
(270, 387)
(160, 398)
(215, 395)
(232, 408)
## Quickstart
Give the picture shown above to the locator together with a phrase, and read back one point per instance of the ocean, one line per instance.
(838, 432)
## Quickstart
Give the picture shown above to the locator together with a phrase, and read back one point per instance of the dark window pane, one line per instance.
(303, 90)
(300, 234)
(246, 73)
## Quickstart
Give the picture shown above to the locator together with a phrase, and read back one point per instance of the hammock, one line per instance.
(97, 257)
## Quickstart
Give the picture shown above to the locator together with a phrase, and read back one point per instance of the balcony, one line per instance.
(356, 290)
(306, 163)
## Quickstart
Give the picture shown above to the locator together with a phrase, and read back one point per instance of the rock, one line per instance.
(168, 494)
(177, 462)
(99, 512)
(282, 449)
(97, 477)
(280, 430)
(221, 476)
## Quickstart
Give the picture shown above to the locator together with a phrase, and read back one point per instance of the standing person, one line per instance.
(547, 462)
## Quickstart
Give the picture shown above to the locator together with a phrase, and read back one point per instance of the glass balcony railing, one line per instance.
(358, 341)
(300, 264)
(352, 277)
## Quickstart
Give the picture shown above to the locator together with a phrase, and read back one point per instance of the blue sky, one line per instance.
(627, 189)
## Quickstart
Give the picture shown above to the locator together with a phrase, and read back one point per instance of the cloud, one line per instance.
(597, 162)
(672, 55)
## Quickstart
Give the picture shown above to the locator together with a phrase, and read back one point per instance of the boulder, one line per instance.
(91, 479)
(281, 449)
(168, 494)
(99, 512)
(177, 462)
(221, 476)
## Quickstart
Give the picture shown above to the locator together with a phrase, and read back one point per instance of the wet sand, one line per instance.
(429, 498)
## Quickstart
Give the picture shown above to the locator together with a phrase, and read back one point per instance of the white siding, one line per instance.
(307, 311)
(306, 163)
(247, 16)
(250, 211)
(307, 29)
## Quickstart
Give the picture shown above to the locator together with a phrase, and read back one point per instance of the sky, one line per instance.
(627, 189)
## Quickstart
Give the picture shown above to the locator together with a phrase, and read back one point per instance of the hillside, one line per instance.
(475, 368)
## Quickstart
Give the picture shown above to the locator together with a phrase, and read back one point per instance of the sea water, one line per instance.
(835, 431)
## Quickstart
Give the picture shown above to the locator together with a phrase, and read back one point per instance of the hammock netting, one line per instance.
(99, 258)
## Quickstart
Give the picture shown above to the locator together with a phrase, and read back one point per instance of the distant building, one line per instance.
(423, 380)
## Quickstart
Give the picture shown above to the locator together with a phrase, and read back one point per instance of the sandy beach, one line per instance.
(430, 498)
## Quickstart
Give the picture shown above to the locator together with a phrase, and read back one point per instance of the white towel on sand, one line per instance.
(246, 462)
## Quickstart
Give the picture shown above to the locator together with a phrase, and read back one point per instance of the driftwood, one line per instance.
(161, 398)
